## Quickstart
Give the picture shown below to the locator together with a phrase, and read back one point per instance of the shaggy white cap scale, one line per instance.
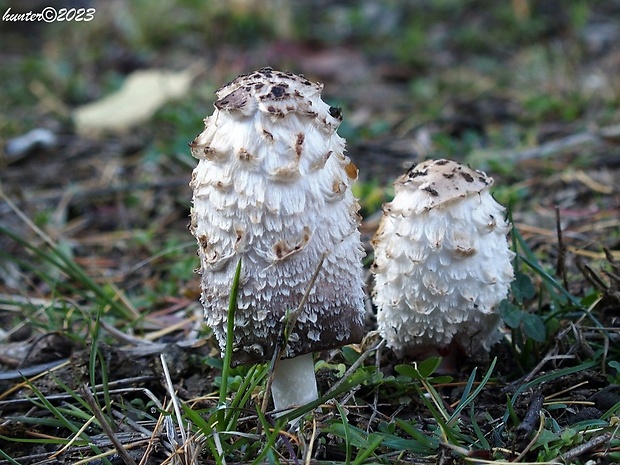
(272, 187)
(442, 261)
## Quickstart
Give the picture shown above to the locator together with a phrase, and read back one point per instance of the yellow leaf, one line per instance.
(142, 94)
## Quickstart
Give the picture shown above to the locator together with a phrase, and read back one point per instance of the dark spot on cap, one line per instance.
(336, 112)
(259, 85)
(267, 134)
(468, 177)
(442, 162)
(277, 91)
(431, 191)
(413, 173)
(483, 179)
(448, 175)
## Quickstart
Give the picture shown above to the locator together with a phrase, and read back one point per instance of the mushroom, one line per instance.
(442, 261)
(272, 188)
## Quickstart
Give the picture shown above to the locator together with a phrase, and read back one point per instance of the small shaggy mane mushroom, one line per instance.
(442, 261)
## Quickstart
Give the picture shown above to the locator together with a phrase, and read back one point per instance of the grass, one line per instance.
(107, 268)
(362, 420)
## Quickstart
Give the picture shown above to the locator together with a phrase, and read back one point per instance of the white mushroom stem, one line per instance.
(294, 383)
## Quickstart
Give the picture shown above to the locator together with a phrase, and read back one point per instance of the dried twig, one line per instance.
(87, 395)
(85, 192)
(541, 425)
(581, 449)
(533, 413)
(571, 142)
(173, 398)
(290, 320)
(356, 365)
(560, 269)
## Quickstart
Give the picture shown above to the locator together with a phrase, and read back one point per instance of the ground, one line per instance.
(97, 266)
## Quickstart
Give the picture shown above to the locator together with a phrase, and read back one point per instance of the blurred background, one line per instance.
(525, 90)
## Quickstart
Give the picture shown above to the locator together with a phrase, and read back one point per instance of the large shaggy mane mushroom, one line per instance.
(272, 187)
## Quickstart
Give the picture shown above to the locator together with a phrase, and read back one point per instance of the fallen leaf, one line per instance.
(142, 94)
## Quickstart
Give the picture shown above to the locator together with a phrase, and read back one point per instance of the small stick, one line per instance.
(355, 365)
(289, 321)
(585, 447)
(173, 397)
(308, 451)
(541, 416)
(560, 269)
(103, 422)
(533, 413)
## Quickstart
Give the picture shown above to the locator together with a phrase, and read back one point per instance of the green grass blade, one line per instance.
(9, 459)
(54, 441)
(465, 401)
(510, 412)
(255, 376)
(484, 444)
(65, 421)
(199, 422)
(428, 444)
(97, 360)
(65, 264)
(439, 416)
(357, 378)
(230, 328)
(374, 441)
(347, 437)
(544, 378)
(271, 436)
(551, 281)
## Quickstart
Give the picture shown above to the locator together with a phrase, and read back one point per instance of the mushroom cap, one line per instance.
(272, 187)
(442, 261)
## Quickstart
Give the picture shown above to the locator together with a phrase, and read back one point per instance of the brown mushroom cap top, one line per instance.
(272, 187)
(443, 181)
(273, 92)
